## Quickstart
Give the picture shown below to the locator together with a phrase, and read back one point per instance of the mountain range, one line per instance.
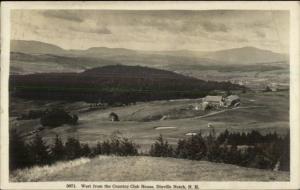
(42, 57)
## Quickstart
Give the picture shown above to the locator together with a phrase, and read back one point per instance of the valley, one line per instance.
(265, 112)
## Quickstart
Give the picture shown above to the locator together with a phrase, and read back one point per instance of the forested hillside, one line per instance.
(115, 83)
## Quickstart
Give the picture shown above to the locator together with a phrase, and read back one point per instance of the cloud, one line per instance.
(63, 14)
(230, 38)
(142, 29)
(266, 24)
(214, 27)
(260, 34)
(96, 30)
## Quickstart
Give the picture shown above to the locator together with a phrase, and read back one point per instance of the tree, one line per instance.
(39, 151)
(161, 148)
(223, 137)
(18, 151)
(74, 120)
(212, 146)
(58, 149)
(106, 148)
(72, 148)
(85, 150)
(97, 150)
(268, 89)
(128, 148)
(285, 158)
(193, 148)
(57, 117)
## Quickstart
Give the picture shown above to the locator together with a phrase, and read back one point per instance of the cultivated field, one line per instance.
(110, 168)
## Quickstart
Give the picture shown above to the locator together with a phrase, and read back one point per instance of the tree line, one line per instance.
(251, 149)
(37, 152)
(244, 149)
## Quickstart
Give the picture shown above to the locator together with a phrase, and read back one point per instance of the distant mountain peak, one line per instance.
(246, 55)
(34, 47)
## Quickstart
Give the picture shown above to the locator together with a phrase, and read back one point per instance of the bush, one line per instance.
(58, 117)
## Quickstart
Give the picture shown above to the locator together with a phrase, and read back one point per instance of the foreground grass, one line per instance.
(142, 168)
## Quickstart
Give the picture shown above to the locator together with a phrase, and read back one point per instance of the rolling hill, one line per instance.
(114, 83)
(143, 168)
(22, 63)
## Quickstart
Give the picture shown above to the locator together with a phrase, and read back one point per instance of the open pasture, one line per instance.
(265, 112)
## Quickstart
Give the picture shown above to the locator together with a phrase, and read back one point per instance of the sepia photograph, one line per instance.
(150, 94)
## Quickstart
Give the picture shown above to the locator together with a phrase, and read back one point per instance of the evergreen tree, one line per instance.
(58, 149)
(285, 158)
(18, 151)
(115, 146)
(105, 148)
(39, 151)
(161, 148)
(97, 150)
(128, 148)
(85, 150)
(212, 147)
(72, 148)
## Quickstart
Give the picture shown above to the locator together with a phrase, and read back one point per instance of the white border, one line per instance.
(293, 7)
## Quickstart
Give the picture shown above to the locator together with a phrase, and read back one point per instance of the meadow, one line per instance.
(141, 168)
(142, 122)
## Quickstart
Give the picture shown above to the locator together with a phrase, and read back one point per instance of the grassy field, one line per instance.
(111, 168)
(266, 112)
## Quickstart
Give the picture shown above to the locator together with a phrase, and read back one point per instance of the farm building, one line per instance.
(113, 117)
(232, 100)
(214, 100)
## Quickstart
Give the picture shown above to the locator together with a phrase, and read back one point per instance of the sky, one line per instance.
(154, 30)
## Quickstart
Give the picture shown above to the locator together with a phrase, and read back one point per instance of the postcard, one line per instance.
(150, 95)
